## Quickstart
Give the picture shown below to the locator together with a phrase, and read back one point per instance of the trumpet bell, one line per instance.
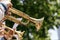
(38, 22)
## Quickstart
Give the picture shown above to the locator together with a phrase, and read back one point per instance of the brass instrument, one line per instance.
(37, 22)
(10, 35)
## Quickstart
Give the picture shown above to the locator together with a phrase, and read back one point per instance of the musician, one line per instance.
(4, 10)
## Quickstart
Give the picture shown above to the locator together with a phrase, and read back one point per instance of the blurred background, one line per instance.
(49, 9)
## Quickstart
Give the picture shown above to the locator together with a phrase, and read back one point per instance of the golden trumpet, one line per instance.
(37, 22)
(10, 33)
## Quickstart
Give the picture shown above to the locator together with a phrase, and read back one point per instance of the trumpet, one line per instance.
(37, 22)
(10, 33)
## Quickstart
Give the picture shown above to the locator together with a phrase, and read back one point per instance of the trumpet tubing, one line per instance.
(19, 33)
(15, 11)
(11, 18)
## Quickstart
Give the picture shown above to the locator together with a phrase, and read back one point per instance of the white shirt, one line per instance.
(2, 10)
(53, 34)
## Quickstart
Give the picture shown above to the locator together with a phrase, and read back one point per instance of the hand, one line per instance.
(0, 23)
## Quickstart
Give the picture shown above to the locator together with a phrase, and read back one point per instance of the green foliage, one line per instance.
(36, 9)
